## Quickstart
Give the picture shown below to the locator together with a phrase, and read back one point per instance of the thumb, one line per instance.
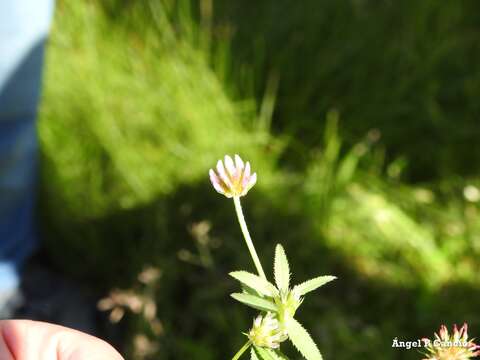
(33, 340)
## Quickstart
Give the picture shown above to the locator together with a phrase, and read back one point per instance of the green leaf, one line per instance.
(248, 290)
(280, 355)
(276, 354)
(281, 269)
(312, 284)
(302, 340)
(255, 302)
(259, 353)
(255, 282)
(264, 354)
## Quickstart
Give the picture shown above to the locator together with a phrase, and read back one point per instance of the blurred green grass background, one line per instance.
(360, 117)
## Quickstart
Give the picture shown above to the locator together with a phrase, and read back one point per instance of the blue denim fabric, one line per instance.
(24, 27)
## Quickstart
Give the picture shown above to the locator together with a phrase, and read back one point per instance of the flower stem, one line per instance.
(241, 351)
(246, 235)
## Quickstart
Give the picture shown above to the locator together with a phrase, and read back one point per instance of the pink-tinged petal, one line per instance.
(464, 332)
(216, 182)
(456, 333)
(443, 333)
(246, 175)
(252, 181)
(229, 165)
(249, 184)
(232, 178)
(239, 163)
(223, 174)
(466, 350)
(213, 177)
(219, 189)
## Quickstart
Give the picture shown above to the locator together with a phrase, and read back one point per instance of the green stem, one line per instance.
(246, 235)
(241, 351)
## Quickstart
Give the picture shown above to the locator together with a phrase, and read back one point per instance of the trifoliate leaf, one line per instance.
(253, 355)
(255, 282)
(263, 354)
(302, 340)
(255, 302)
(281, 269)
(312, 284)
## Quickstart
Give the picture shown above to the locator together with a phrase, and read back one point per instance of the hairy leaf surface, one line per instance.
(281, 269)
(312, 284)
(255, 282)
(302, 340)
(255, 302)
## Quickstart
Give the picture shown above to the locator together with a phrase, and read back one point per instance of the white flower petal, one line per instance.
(252, 181)
(239, 163)
(232, 177)
(216, 182)
(258, 321)
(223, 174)
(229, 165)
(246, 174)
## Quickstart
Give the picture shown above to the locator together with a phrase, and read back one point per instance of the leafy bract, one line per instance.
(248, 290)
(312, 284)
(281, 269)
(262, 286)
(279, 354)
(255, 302)
(302, 340)
(262, 295)
(264, 354)
(276, 354)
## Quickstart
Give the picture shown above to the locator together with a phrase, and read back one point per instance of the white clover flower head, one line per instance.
(266, 332)
(232, 178)
(456, 346)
